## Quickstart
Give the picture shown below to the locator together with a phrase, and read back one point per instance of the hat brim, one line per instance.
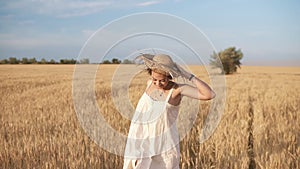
(152, 64)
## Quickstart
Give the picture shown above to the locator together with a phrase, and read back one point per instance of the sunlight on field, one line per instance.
(39, 128)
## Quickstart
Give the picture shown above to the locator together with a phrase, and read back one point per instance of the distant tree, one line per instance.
(116, 61)
(127, 61)
(13, 60)
(43, 61)
(106, 62)
(230, 60)
(24, 61)
(72, 61)
(32, 61)
(84, 61)
(52, 61)
(4, 61)
(67, 61)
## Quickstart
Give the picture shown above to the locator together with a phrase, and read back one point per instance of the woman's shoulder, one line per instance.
(175, 85)
(179, 87)
(176, 88)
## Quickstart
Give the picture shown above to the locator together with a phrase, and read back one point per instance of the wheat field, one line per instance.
(39, 127)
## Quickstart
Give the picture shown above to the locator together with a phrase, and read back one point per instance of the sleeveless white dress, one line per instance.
(153, 139)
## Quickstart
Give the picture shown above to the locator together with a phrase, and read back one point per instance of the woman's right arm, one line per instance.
(201, 91)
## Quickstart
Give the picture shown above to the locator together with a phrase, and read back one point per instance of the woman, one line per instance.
(153, 140)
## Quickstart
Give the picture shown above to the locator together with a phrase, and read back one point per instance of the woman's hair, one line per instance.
(160, 72)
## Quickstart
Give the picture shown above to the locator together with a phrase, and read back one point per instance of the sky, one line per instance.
(266, 31)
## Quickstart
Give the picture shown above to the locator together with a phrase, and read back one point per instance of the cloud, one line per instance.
(16, 42)
(49, 46)
(70, 8)
(78, 8)
(26, 22)
(148, 3)
(62, 9)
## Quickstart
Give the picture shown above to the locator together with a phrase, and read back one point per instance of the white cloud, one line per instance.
(26, 22)
(63, 8)
(148, 3)
(71, 8)
(15, 42)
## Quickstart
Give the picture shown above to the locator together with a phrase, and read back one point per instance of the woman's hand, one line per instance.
(200, 91)
(185, 74)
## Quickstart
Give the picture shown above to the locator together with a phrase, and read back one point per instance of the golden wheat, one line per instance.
(39, 128)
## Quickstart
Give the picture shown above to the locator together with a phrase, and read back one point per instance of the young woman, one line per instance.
(153, 140)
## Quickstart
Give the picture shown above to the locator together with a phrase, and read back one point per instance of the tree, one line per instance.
(106, 62)
(13, 60)
(32, 61)
(52, 61)
(230, 60)
(115, 61)
(127, 61)
(43, 61)
(24, 61)
(4, 61)
(84, 61)
(67, 61)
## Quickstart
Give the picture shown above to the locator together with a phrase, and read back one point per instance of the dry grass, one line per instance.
(39, 129)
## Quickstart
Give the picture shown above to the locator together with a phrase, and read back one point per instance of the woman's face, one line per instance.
(159, 80)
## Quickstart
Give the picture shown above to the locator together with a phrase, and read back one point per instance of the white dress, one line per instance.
(153, 139)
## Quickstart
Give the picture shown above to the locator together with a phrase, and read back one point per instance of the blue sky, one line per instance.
(267, 32)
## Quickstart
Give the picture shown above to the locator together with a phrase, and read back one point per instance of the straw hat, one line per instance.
(161, 62)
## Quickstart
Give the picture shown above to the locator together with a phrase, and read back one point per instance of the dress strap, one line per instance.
(149, 82)
(170, 94)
